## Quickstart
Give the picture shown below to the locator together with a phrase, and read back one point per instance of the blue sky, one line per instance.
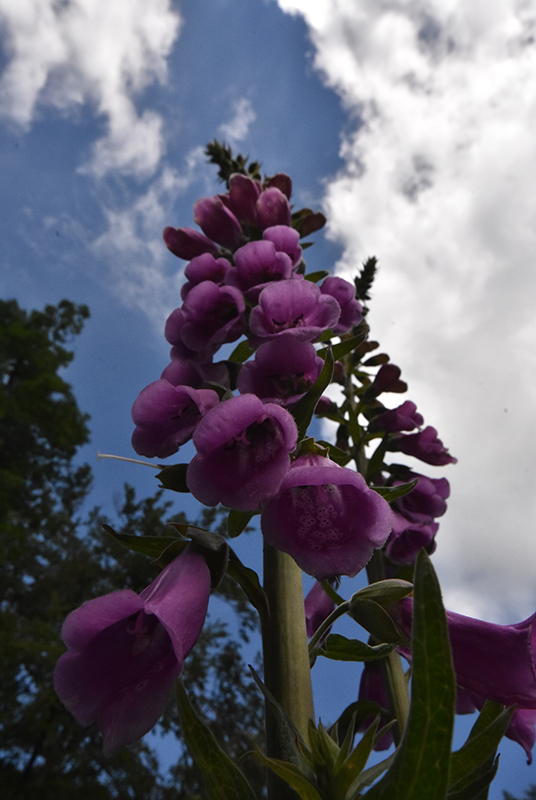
(410, 124)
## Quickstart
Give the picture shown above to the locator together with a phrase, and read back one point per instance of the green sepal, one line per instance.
(339, 648)
(237, 522)
(212, 547)
(241, 352)
(324, 749)
(314, 277)
(223, 778)
(340, 457)
(421, 765)
(291, 775)
(384, 592)
(374, 619)
(391, 493)
(304, 409)
(152, 546)
(174, 478)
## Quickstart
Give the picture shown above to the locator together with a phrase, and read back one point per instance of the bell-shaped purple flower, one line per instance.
(344, 294)
(402, 418)
(166, 417)
(188, 243)
(273, 208)
(243, 448)
(204, 268)
(425, 446)
(326, 518)
(407, 538)
(286, 240)
(281, 181)
(258, 264)
(125, 651)
(296, 306)
(282, 372)
(496, 662)
(318, 606)
(242, 198)
(426, 501)
(210, 316)
(181, 372)
(218, 222)
(173, 333)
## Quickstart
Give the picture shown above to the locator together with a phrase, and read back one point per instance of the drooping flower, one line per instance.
(188, 243)
(286, 240)
(273, 208)
(425, 446)
(282, 372)
(257, 265)
(344, 294)
(166, 417)
(318, 606)
(125, 651)
(218, 222)
(387, 380)
(407, 538)
(204, 268)
(426, 501)
(296, 306)
(210, 316)
(326, 518)
(372, 689)
(402, 418)
(242, 198)
(243, 448)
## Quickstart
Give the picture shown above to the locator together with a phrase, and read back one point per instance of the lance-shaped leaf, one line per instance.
(241, 352)
(421, 766)
(237, 522)
(174, 478)
(347, 345)
(249, 582)
(304, 409)
(339, 648)
(475, 759)
(391, 493)
(292, 775)
(385, 592)
(348, 772)
(223, 779)
(152, 546)
(375, 619)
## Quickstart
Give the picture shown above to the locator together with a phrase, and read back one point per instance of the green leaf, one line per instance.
(174, 478)
(241, 352)
(314, 277)
(340, 457)
(476, 756)
(304, 409)
(391, 493)
(346, 346)
(369, 775)
(339, 648)
(420, 770)
(355, 764)
(249, 582)
(477, 789)
(152, 546)
(385, 592)
(291, 775)
(237, 521)
(375, 619)
(223, 779)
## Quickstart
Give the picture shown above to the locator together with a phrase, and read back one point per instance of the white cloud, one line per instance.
(65, 54)
(237, 128)
(137, 261)
(438, 183)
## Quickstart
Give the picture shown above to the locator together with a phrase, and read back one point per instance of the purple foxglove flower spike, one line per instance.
(282, 372)
(125, 651)
(318, 606)
(166, 417)
(210, 316)
(286, 240)
(188, 243)
(426, 501)
(326, 518)
(273, 208)
(402, 418)
(344, 294)
(425, 446)
(243, 448)
(296, 306)
(258, 264)
(218, 222)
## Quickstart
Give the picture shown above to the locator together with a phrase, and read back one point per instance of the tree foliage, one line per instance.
(52, 561)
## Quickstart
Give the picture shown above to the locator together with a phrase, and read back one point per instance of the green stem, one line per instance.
(286, 659)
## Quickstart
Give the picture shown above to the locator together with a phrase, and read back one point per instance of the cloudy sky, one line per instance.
(411, 122)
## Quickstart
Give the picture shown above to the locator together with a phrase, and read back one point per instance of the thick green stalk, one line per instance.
(286, 658)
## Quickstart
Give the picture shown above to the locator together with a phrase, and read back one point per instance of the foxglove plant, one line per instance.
(329, 509)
